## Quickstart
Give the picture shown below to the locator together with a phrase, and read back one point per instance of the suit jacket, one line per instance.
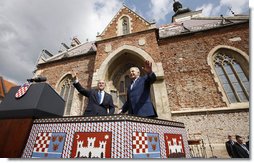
(239, 152)
(138, 98)
(248, 145)
(229, 148)
(93, 106)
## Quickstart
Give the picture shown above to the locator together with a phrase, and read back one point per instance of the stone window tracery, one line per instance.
(233, 79)
(67, 92)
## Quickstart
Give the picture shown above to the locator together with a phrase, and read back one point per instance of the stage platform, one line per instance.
(116, 136)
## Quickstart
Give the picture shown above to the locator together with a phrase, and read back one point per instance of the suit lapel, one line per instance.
(135, 83)
(105, 97)
(95, 96)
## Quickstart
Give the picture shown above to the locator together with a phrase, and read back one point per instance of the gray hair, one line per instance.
(137, 69)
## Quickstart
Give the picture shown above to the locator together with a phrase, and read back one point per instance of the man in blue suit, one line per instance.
(99, 101)
(138, 95)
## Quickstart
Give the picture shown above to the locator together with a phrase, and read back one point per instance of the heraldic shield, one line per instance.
(92, 145)
(22, 90)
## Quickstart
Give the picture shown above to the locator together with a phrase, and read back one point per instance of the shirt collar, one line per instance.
(135, 80)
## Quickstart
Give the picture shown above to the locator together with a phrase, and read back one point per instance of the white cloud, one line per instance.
(223, 8)
(159, 9)
(237, 6)
(206, 9)
(209, 9)
(28, 26)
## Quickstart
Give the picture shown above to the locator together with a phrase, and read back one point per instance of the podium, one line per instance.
(41, 100)
(112, 136)
(17, 115)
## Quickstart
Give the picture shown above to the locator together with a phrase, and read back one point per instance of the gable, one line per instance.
(135, 24)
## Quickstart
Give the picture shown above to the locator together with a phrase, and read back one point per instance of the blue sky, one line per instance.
(29, 26)
(162, 10)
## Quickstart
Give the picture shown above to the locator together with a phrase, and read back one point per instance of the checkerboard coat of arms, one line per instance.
(145, 145)
(49, 145)
(22, 90)
(92, 145)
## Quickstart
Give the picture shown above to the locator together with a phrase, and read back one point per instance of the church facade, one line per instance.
(201, 64)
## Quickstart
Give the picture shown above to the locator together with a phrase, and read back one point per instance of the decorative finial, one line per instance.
(232, 12)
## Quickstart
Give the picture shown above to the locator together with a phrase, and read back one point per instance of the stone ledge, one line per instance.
(240, 108)
(110, 118)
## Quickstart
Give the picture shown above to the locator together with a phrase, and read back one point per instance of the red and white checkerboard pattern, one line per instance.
(140, 144)
(122, 136)
(22, 90)
(42, 142)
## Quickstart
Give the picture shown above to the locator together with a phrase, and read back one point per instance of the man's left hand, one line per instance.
(148, 66)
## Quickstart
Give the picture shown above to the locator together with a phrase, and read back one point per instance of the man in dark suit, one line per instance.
(100, 102)
(229, 146)
(248, 143)
(138, 95)
(239, 149)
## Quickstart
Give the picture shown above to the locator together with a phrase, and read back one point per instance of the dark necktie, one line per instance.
(132, 83)
(99, 97)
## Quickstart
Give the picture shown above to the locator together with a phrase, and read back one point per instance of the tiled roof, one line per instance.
(71, 52)
(198, 24)
(5, 86)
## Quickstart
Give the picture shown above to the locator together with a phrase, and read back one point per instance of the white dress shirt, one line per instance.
(102, 96)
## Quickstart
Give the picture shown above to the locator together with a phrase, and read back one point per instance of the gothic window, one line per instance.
(233, 79)
(125, 25)
(66, 92)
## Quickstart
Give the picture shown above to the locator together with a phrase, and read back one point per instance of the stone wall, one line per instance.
(216, 126)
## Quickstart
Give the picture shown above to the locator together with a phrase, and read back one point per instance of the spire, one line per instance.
(182, 13)
(176, 6)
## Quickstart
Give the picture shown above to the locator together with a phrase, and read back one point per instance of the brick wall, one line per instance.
(151, 45)
(189, 81)
(137, 24)
(84, 66)
(191, 86)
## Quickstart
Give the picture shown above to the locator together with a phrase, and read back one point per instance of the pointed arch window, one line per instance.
(67, 92)
(233, 79)
(125, 25)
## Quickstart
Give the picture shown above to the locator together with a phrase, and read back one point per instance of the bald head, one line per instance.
(134, 73)
(101, 85)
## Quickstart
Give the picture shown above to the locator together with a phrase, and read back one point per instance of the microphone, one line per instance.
(37, 79)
